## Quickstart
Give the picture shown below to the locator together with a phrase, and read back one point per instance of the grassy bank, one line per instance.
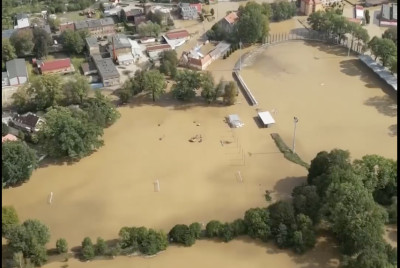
(287, 152)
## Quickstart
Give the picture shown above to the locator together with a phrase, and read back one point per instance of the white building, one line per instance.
(16, 72)
(21, 21)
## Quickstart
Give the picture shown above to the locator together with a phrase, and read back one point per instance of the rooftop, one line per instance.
(177, 35)
(231, 18)
(92, 41)
(93, 23)
(55, 64)
(28, 119)
(158, 47)
(16, 68)
(106, 68)
(120, 41)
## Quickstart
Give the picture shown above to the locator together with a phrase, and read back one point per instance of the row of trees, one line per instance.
(334, 24)
(187, 84)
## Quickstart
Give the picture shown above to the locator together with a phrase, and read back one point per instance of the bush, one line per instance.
(88, 251)
(181, 233)
(101, 247)
(213, 229)
(195, 229)
(61, 246)
(9, 218)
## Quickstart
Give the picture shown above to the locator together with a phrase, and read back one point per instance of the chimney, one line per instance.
(113, 49)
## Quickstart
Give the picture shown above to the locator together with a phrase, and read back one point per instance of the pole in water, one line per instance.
(51, 197)
(240, 176)
(156, 186)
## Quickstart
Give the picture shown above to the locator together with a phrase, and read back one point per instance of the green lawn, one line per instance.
(72, 16)
(77, 61)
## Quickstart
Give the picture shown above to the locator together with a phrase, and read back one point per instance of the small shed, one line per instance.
(266, 119)
(234, 121)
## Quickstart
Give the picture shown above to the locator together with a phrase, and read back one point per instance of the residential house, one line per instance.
(310, 6)
(61, 66)
(21, 21)
(17, 72)
(228, 21)
(220, 50)
(115, 11)
(67, 26)
(155, 51)
(188, 12)
(176, 38)
(388, 15)
(100, 27)
(129, 15)
(194, 59)
(27, 122)
(119, 44)
(108, 73)
(200, 63)
(92, 45)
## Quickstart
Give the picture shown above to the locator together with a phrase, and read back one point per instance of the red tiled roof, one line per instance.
(177, 34)
(68, 25)
(198, 7)
(231, 18)
(9, 137)
(158, 47)
(55, 65)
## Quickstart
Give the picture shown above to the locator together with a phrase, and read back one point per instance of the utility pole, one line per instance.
(295, 120)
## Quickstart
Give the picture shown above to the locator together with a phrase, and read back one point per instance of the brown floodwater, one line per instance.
(114, 187)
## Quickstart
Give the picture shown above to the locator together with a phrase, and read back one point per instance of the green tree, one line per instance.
(125, 93)
(304, 237)
(283, 236)
(307, 201)
(7, 50)
(149, 29)
(42, 40)
(283, 10)
(22, 101)
(72, 41)
(239, 227)
(101, 247)
(22, 41)
(154, 82)
(213, 229)
(253, 26)
(154, 242)
(29, 238)
(230, 93)
(54, 24)
(257, 221)
(4, 129)
(209, 91)
(384, 49)
(393, 66)
(227, 232)
(68, 134)
(169, 63)
(281, 212)
(212, 12)
(61, 246)
(18, 162)
(101, 111)
(9, 218)
(195, 229)
(187, 82)
(391, 33)
(46, 91)
(88, 251)
(182, 234)
(77, 89)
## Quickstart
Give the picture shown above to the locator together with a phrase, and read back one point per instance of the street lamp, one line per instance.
(240, 59)
(295, 120)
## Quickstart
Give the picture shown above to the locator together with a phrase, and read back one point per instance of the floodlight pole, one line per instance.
(240, 59)
(295, 120)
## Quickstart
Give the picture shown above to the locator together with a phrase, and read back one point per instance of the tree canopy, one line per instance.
(253, 25)
(69, 134)
(187, 82)
(18, 162)
(7, 50)
(72, 41)
(42, 40)
(154, 82)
